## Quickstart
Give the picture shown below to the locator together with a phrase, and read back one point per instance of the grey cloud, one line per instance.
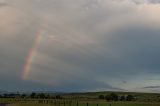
(146, 1)
(139, 2)
(87, 85)
(3, 4)
(85, 44)
(154, 1)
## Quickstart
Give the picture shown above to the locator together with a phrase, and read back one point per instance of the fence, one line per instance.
(55, 102)
(69, 103)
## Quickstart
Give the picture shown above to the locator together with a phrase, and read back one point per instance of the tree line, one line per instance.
(32, 95)
(115, 97)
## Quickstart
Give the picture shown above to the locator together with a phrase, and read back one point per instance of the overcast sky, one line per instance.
(86, 45)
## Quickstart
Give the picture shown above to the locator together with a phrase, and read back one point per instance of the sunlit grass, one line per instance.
(89, 104)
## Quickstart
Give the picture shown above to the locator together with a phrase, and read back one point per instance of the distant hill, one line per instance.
(95, 95)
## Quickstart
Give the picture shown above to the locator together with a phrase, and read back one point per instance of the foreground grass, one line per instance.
(28, 104)
(35, 102)
(91, 104)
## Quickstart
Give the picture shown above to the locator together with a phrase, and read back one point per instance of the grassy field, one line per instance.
(86, 99)
(142, 97)
(32, 102)
(90, 104)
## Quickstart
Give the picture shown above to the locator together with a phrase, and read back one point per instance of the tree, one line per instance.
(41, 95)
(23, 96)
(114, 97)
(48, 96)
(101, 97)
(122, 98)
(58, 97)
(5, 95)
(129, 98)
(33, 95)
(108, 97)
(111, 97)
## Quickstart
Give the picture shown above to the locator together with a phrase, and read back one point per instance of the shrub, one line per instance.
(129, 98)
(101, 97)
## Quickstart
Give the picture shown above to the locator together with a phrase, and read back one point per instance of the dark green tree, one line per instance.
(122, 98)
(129, 98)
(42, 96)
(101, 97)
(58, 97)
(48, 96)
(111, 97)
(108, 97)
(23, 96)
(33, 95)
(114, 97)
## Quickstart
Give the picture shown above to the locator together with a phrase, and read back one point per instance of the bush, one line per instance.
(101, 97)
(33, 95)
(112, 97)
(129, 98)
(42, 96)
(108, 97)
(122, 98)
(59, 97)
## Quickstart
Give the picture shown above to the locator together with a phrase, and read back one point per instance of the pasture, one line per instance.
(84, 99)
(49, 102)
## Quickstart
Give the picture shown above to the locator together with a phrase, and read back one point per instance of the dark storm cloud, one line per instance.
(87, 85)
(137, 47)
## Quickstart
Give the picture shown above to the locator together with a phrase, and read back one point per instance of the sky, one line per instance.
(80, 45)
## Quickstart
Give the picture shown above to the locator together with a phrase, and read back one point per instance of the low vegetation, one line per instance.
(81, 99)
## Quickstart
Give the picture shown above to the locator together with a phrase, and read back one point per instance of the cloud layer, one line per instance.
(86, 45)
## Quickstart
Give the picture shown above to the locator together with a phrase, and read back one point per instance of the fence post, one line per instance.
(87, 104)
(59, 103)
(55, 102)
(70, 102)
(77, 103)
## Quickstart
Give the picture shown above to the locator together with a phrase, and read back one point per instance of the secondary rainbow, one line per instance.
(31, 55)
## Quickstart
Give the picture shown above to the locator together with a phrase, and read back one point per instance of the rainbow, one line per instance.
(31, 55)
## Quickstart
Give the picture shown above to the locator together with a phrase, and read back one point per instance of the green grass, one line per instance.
(28, 104)
(33, 103)
(144, 99)
(141, 96)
